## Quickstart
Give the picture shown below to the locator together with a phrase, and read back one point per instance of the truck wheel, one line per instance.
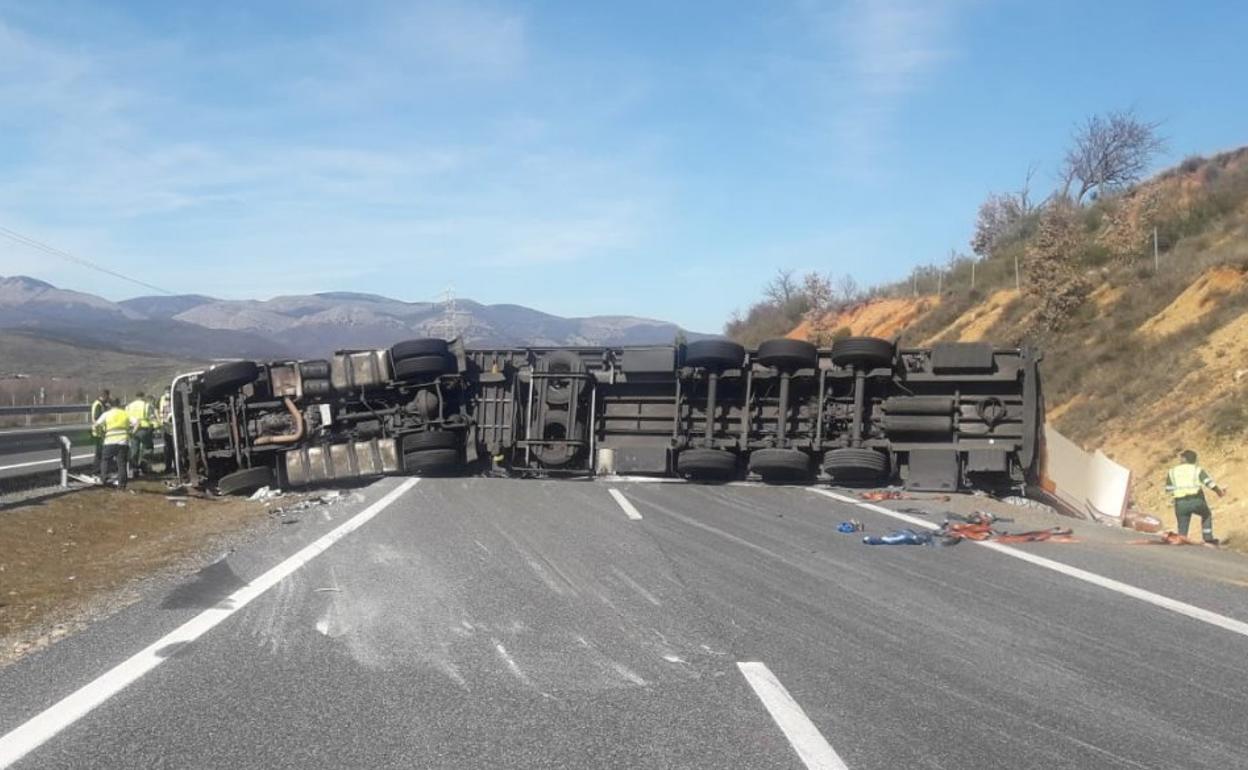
(780, 464)
(863, 353)
(430, 439)
(714, 354)
(556, 428)
(787, 354)
(432, 462)
(244, 481)
(428, 346)
(559, 389)
(225, 379)
(316, 388)
(712, 464)
(423, 366)
(314, 370)
(853, 465)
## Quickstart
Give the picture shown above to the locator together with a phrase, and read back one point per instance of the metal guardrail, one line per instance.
(42, 439)
(27, 410)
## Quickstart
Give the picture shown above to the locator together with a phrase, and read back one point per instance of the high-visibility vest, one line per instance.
(114, 425)
(1185, 480)
(97, 409)
(141, 412)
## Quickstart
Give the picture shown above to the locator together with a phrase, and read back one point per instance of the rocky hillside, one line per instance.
(1140, 360)
(297, 325)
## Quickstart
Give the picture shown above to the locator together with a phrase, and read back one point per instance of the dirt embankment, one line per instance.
(69, 558)
(883, 318)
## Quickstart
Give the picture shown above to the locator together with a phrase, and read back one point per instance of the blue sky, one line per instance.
(644, 158)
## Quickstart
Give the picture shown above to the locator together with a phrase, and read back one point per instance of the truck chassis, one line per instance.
(860, 412)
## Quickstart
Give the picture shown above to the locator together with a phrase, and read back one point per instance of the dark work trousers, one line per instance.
(99, 451)
(168, 452)
(115, 455)
(1186, 507)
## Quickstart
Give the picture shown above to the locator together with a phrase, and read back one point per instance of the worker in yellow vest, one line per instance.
(1186, 483)
(143, 416)
(114, 428)
(98, 407)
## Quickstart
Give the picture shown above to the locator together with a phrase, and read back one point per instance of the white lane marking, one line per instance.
(629, 510)
(1157, 600)
(42, 727)
(815, 751)
(33, 463)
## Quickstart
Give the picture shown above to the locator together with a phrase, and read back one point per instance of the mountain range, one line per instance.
(305, 325)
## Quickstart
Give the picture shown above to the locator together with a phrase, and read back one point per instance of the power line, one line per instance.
(27, 241)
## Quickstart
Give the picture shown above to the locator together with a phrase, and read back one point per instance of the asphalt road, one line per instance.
(498, 623)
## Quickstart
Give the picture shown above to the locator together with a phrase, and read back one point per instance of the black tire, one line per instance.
(226, 379)
(855, 466)
(788, 355)
(432, 462)
(559, 390)
(431, 439)
(716, 464)
(714, 354)
(245, 481)
(911, 424)
(423, 366)
(428, 346)
(314, 370)
(317, 388)
(780, 464)
(556, 427)
(863, 353)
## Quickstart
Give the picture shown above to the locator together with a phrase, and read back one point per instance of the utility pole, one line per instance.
(940, 283)
(972, 275)
(914, 282)
(1156, 253)
(1018, 281)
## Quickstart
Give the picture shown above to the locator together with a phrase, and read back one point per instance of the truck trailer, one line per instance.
(862, 411)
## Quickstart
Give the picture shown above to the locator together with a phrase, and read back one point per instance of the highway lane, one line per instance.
(501, 623)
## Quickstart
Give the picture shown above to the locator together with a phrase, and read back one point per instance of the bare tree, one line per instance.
(1000, 214)
(848, 291)
(1109, 152)
(782, 288)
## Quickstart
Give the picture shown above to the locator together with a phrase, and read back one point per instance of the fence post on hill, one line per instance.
(1018, 281)
(972, 275)
(1156, 253)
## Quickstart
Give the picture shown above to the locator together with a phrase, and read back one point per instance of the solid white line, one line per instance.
(39, 729)
(629, 510)
(813, 749)
(1157, 600)
(33, 463)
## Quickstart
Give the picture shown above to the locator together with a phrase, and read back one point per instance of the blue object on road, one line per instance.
(849, 527)
(900, 537)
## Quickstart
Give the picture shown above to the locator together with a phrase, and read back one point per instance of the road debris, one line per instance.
(850, 527)
(1170, 538)
(900, 537)
(264, 493)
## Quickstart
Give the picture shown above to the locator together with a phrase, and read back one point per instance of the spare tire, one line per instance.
(558, 390)
(556, 427)
(432, 462)
(244, 481)
(427, 346)
(855, 465)
(430, 439)
(787, 354)
(317, 388)
(700, 463)
(314, 370)
(714, 354)
(423, 366)
(863, 353)
(226, 379)
(780, 464)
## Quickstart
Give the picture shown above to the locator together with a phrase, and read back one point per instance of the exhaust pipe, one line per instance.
(286, 438)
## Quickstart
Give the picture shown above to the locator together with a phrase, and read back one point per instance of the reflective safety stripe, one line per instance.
(1185, 480)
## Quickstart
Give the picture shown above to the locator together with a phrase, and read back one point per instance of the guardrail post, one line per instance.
(66, 459)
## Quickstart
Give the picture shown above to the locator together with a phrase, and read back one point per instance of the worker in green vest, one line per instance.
(1186, 483)
(113, 427)
(98, 407)
(143, 415)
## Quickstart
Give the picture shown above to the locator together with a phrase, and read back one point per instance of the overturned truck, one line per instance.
(862, 412)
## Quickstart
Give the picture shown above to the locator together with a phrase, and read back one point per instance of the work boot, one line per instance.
(1212, 541)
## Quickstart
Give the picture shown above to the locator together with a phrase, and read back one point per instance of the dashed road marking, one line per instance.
(42, 727)
(813, 749)
(629, 510)
(1157, 600)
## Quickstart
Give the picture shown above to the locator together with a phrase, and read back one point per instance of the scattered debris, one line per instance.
(1170, 538)
(1027, 502)
(1140, 521)
(899, 537)
(876, 495)
(850, 527)
(265, 493)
